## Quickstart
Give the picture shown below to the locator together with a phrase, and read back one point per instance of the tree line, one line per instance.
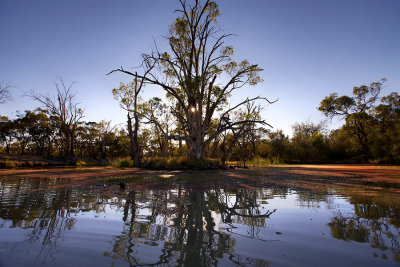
(370, 132)
(196, 120)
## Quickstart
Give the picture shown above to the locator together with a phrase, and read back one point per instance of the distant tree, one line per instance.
(88, 139)
(5, 95)
(199, 73)
(128, 97)
(357, 112)
(387, 116)
(278, 145)
(158, 114)
(105, 131)
(65, 110)
(21, 127)
(309, 142)
(40, 129)
(6, 132)
(340, 145)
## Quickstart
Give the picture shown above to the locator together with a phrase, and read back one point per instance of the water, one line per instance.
(46, 222)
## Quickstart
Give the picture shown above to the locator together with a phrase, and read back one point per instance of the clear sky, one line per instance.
(308, 49)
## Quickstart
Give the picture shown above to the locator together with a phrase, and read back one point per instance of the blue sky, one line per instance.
(308, 49)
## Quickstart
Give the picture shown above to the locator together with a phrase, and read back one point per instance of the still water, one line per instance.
(45, 223)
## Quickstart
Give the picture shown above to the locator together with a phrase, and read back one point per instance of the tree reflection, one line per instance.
(375, 221)
(179, 227)
(45, 213)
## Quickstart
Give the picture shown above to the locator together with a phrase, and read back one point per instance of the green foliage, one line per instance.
(80, 163)
(180, 163)
(372, 130)
(262, 162)
(122, 162)
(14, 164)
(9, 164)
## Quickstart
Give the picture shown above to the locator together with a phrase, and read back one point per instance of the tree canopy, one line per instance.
(199, 74)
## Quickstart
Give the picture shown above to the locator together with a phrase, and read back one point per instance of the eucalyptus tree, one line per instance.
(387, 115)
(65, 111)
(21, 127)
(127, 95)
(198, 71)
(6, 132)
(105, 131)
(40, 129)
(240, 134)
(158, 114)
(356, 110)
(309, 141)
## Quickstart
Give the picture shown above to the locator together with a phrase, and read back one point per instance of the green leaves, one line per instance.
(125, 95)
(336, 106)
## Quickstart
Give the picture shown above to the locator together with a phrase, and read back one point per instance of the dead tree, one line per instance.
(66, 111)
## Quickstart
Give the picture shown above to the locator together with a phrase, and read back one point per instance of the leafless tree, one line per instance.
(67, 111)
(128, 96)
(5, 95)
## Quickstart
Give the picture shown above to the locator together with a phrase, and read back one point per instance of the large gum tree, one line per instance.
(198, 72)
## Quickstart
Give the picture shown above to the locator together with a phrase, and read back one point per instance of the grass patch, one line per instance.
(122, 162)
(181, 163)
(258, 162)
(80, 163)
(13, 164)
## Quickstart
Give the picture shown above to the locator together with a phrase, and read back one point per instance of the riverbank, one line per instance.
(359, 177)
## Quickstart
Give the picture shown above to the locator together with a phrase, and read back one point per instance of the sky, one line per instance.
(306, 48)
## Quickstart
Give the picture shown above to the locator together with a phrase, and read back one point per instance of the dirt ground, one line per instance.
(75, 173)
(314, 177)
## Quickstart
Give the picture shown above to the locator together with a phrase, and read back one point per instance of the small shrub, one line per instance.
(125, 163)
(11, 164)
(155, 163)
(121, 163)
(173, 163)
(41, 163)
(182, 163)
(80, 163)
(30, 163)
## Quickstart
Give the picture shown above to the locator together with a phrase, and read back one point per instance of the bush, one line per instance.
(175, 163)
(122, 163)
(80, 163)
(11, 164)
(275, 161)
(29, 164)
(258, 162)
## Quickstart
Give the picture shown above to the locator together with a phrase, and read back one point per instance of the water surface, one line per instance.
(45, 223)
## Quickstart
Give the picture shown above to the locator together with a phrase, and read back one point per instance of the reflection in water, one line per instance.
(187, 225)
(376, 222)
(184, 221)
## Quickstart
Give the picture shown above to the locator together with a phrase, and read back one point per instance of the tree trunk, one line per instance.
(67, 146)
(197, 148)
(71, 150)
(49, 151)
(136, 146)
(214, 148)
(22, 148)
(196, 136)
(103, 149)
(130, 133)
(180, 148)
